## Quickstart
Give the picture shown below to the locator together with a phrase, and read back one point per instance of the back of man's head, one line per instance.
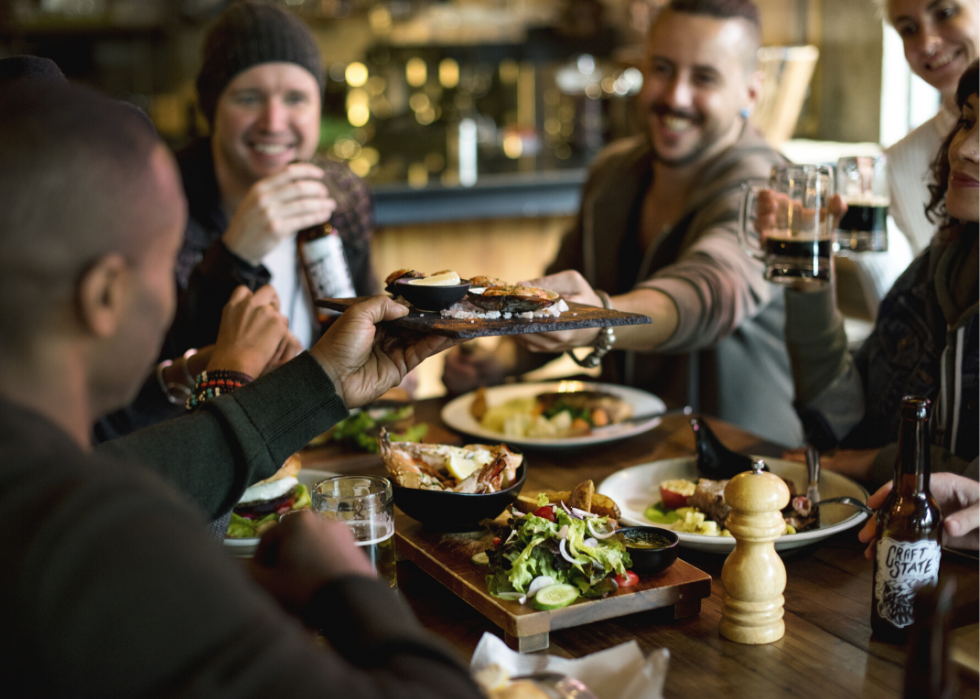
(247, 34)
(75, 183)
(744, 10)
(15, 68)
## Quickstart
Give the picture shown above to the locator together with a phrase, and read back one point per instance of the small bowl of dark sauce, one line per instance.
(430, 298)
(652, 549)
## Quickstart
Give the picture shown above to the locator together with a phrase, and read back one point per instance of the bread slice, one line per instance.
(601, 505)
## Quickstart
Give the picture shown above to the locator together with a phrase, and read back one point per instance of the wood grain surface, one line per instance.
(577, 317)
(827, 652)
(446, 557)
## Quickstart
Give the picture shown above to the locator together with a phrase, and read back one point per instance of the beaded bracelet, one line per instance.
(216, 382)
(603, 343)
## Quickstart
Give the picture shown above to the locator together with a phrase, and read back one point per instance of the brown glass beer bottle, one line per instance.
(322, 254)
(909, 527)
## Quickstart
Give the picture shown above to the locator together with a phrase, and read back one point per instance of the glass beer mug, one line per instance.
(795, 238)
(364, 504)
(863, 186)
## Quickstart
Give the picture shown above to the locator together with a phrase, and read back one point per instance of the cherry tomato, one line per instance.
(546, 512)
(627, 580)
(496, 541)
(671, 494)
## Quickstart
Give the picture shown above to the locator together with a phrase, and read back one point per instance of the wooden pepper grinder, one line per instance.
(753, 575)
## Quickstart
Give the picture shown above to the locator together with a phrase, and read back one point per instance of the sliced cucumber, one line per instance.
(555, 596)
(481, 558)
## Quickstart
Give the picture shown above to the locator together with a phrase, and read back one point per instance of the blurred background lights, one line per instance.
(448, 73)
(416, 72)
(513, 146)
(356, 74)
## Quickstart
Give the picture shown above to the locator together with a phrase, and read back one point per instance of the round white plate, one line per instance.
(456, 413)
(636, 488)
(245, 548)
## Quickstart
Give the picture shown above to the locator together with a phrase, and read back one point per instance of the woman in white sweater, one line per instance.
(940, 40)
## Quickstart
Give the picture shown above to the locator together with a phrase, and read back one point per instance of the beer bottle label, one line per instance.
(327, 268)
(903, 568)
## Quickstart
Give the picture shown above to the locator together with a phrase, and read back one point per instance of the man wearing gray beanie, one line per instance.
(255, 182)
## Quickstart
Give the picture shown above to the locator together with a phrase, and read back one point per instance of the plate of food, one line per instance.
(555, 414)
(554, 560)
(451, 488)
(445, 304)
(263, 503)
(670, 494)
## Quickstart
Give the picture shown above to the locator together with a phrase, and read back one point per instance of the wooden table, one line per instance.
(827, 652)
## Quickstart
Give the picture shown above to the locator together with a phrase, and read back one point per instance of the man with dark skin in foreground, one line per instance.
(109, 586)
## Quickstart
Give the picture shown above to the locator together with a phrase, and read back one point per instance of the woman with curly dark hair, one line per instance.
(925, 339)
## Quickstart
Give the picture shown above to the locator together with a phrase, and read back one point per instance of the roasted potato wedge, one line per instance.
(582, 496)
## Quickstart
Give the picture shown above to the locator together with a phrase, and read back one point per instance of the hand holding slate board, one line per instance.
(577, 316)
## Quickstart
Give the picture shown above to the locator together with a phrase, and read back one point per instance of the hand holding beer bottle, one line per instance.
(909, 526)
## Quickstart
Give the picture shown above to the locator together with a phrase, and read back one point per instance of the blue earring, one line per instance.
(744, 112)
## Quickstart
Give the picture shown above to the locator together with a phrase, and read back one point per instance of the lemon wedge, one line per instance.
(461, 464)
(441, 279)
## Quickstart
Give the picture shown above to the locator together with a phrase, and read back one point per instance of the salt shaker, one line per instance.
(753, 575)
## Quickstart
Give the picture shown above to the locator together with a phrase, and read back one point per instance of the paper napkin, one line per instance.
(620, 672)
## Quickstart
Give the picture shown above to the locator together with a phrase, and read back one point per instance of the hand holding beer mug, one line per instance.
(365, 505)
(789, 214)
(862, 184)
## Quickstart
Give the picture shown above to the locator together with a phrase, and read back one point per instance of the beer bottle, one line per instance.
(908, 530)
(322, 254)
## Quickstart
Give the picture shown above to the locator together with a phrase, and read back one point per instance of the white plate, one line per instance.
(456, 413)
(636, 488)
(245, 548)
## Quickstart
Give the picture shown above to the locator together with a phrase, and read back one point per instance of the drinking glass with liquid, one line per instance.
(365, 505)
(863, 186)
(795, 239)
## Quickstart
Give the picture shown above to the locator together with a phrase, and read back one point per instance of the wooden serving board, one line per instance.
(446, 557)
(577, 316)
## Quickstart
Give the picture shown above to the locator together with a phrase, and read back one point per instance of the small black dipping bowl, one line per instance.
(456, 512)
(650, 561)
(429, 298)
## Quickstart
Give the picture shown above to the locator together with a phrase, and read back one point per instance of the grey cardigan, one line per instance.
(727, 356)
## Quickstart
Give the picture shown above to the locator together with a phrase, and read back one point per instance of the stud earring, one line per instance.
(744, 112)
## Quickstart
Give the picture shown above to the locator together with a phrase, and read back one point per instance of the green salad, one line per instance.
(555, 546)
(363, 428)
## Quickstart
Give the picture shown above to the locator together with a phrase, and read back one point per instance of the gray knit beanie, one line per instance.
(249, 33)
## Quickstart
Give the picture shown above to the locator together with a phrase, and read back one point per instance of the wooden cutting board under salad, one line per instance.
(460, 562)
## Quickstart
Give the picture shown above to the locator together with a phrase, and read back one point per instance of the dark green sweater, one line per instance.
(109, 586)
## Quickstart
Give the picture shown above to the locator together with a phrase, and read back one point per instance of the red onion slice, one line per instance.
(538, 583)
(599, 535)
(582, 514)
(564, 552)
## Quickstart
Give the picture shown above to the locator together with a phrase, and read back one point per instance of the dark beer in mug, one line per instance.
(864, 226)
(791, 258)
(908, 531)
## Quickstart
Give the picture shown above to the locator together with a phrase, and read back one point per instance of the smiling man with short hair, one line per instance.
(657, 231)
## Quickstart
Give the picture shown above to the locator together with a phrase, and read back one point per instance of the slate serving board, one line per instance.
(446, 557)
(577, 316)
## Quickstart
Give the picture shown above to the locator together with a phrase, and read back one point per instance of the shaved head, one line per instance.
(76, 183)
